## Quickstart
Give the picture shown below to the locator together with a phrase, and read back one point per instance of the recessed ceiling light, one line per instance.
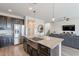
(30, 8)
(10, 10)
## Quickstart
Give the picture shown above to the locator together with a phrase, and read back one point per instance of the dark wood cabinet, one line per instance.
(29, 50)
(6, 41)
(10, 41)
(22, 21)
(35, 49)
(34, 52)
(3, 22)
(17, 21)
(1, 41)
(7, 23)
(1, 19)
(25, 44)
(43, 50)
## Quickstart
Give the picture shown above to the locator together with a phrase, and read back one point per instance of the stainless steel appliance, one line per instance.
(17, 33)
(22, 34)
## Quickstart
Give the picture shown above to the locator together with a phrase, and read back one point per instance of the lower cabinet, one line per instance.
(25, 47)
(6, 41)
(34, 52)
(1, 41)
(43, 50)
(31, 51)
(25, 44)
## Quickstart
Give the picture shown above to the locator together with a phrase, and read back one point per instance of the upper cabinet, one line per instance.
(3, 22)
(22, 21)
(7, 22)
(17, 21)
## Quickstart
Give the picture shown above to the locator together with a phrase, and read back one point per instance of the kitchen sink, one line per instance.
(37, 39)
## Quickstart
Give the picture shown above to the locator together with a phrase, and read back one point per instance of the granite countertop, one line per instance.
(50, 42)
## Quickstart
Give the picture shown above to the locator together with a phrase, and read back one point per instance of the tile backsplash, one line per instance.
(5, 32)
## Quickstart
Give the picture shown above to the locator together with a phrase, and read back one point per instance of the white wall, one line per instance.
(47, 27)
(37, 22)
(57, 26)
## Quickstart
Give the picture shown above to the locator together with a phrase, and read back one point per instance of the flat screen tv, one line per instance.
(68, 27)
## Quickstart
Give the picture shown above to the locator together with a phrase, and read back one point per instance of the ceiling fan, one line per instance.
(58, 19)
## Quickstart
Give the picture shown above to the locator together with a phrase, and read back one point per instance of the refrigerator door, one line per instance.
(16, 41)
(22, 30)
(22, 34)
(17, 32)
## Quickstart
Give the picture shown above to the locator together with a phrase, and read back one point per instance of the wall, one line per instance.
(37, 22)
(57, 26)
(47, 27)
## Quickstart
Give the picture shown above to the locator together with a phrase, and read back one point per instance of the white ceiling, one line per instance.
(44, 10)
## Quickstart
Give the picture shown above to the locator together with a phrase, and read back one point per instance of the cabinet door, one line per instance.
(6, 41)
(29, 50)
(16, 21)
(25, 44)
(21, 21)
(34, 52)
(3, 22)
(9, 23)
(1, 18)
(1, 42)
(43, 50)
(12, 41)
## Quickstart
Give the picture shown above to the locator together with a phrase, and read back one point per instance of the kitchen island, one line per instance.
(45, 46)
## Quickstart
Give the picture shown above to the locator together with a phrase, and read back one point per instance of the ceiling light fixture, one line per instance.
(30, 8)
(10, 10)
(53, 19)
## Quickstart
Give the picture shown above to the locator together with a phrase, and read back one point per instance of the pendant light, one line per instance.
(34, 10)
(53, 19)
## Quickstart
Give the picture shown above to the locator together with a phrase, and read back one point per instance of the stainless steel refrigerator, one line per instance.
(17, 33)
